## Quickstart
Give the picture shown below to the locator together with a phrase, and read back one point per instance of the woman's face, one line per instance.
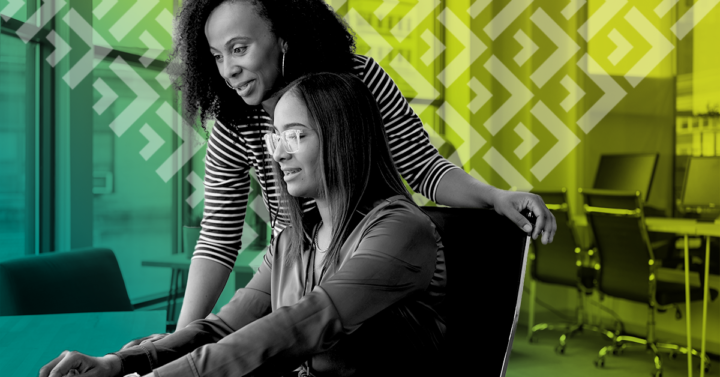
(301, 170)
(245, 50)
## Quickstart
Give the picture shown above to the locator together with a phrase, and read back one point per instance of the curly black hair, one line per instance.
(318, 41)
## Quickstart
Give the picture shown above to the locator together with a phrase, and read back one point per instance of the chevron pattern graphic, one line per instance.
(507, 89)
(468, 42)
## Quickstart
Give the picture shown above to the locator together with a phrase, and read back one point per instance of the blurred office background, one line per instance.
(547, 96)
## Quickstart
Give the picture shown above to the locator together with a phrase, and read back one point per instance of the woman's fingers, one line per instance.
(511, 203)
(78, 364)
(45, 370)
(545, 225)
(518, 218)
(67, 364)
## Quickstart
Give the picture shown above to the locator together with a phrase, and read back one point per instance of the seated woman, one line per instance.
(352, 288)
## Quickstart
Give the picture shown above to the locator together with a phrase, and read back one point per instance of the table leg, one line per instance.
(705, 304)
(688, 329)
(171, 295)
(178, 290)
(531, 319)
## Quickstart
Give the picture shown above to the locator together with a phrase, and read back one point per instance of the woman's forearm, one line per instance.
(459, 189)
(206, 281)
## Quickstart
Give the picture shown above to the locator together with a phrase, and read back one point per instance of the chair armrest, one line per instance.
(658, 244)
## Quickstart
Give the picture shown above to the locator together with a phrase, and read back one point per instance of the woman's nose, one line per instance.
(230, 69)
(280, 154)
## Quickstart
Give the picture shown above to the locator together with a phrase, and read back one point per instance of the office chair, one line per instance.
(485, 255)
(628, 268)
(560, 263)
(76, 281)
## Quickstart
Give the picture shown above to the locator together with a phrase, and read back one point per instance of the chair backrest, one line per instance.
(627, 172)
(77, 281)
(485, 256)
(556, 262)
(624, 250)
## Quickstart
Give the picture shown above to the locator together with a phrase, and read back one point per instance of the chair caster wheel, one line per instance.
(617, 351)
(532, 339)
(560, 350)
(599, 363)
(656, 373)
(672, 355)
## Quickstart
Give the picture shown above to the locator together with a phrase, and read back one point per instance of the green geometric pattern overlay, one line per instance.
(506, 89)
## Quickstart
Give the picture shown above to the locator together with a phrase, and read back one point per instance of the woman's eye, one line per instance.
(239, 49)
(217, 57)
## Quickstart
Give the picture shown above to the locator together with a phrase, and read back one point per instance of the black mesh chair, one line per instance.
(76, 281)
(628, 268)
(560, 263)
(485, 256)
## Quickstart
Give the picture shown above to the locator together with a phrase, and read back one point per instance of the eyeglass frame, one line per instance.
(283, 138)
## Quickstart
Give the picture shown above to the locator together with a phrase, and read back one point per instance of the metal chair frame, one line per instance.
(621, 342)
(569, 329)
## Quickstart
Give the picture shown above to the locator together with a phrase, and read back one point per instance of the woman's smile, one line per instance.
(244, 89)
(290, 173)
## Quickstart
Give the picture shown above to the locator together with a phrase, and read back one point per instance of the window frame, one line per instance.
(39, 137)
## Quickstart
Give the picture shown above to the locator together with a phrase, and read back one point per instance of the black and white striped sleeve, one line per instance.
(417, 160)
(227, 184)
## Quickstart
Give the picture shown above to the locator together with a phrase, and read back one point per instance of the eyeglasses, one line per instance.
(290, 140)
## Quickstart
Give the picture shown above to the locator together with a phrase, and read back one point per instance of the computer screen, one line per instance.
(626, 172)
(702, 182)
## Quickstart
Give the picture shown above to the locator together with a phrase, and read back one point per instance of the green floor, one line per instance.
(540, 360)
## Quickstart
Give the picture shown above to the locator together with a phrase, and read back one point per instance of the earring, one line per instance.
(228, 84)
(283, 65)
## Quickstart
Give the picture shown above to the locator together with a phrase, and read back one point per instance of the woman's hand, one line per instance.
(459, 189)
(151, 338)
(510, 203)
(76, 364)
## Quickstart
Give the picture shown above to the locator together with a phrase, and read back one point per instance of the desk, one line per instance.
(29, 342)
(686, 227)
(690, 227)
(180, 264)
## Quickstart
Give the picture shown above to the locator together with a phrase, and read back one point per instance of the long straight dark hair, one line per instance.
(356, 166)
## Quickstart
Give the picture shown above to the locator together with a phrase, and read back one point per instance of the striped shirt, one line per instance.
(231, 155)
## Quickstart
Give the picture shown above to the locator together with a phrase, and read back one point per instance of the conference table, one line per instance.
(29, 342)
(686, 228)
(690, 227)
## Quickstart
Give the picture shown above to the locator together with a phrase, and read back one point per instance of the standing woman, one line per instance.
(234, 55)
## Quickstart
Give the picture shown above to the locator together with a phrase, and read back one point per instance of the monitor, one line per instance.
(701, 188)
(626, 172)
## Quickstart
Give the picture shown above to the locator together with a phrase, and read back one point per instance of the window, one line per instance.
(15, 191)
(134, 209)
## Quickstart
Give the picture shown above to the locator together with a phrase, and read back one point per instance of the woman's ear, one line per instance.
(283, 45)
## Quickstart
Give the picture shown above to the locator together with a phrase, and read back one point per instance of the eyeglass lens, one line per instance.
(290, 139)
